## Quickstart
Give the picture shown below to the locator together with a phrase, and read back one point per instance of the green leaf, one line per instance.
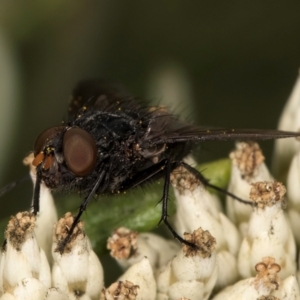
(218, 172)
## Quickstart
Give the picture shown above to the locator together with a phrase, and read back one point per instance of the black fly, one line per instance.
(112, 144)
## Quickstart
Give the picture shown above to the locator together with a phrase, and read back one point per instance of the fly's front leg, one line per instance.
(61, 244)
(37, 189)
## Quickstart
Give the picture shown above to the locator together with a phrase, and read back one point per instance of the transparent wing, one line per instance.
(193, 133)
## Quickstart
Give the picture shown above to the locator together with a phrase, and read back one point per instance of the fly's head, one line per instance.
(63, 154)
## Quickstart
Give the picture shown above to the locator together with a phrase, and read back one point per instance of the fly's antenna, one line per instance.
(12, 185)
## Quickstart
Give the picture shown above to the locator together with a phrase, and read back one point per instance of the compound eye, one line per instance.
(44, 137)
(80, 151)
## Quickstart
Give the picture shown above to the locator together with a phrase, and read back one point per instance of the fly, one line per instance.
(112, 144)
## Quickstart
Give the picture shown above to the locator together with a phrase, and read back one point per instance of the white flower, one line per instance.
(129, 247)
(47, 215)
(247, 167)
(269, 233)
(7, 296)
(141, 274)
(264, 284)
(56, 294)
(293, 188)
(290, 121)
(120, 290)
(288, 289)
(193, 272)
(76, 271)
(27, 288)
(22, 257)
(195, 208)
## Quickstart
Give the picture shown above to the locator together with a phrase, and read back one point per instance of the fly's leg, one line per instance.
(206, 183)
(165, 198)
(144, 176)
(163, 168)
(61, 245)
(168, 169)
(36, 194)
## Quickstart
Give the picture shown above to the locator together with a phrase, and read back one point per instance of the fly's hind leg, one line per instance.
(165, 198)
(163, 168)
(169, 167)
(206, 183)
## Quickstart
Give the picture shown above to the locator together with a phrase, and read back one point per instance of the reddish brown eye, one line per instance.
(80, 151)
(44, 137)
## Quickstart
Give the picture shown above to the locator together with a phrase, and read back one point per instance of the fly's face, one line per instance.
(64, 151)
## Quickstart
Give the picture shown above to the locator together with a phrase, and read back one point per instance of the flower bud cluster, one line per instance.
(293, 209)
(285, 149)
(269, 233)
(193, 272)
(266, 285)
(77, 270)
(247, 167)
(25, 271)
(248, 253)
(23, 266)
(129, 247)
(197, 207)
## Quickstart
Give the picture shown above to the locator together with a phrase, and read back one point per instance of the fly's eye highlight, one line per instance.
(44, 137)
(80, 151)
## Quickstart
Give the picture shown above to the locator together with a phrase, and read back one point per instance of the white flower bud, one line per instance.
(265, 282)
(7, 296)
(56, 294)
(141, 275)
(47, 215)
(129, 247)
(269, 234)
(81, 297)
(247, 167)
(22, 257)
(193, 272)
(293, 180)
(120, 290)
(27, 288)
(226, 261)
(288, 289)
(30, 288)
(195, 209)
(289, 121)
(77, 271)
(293, 209)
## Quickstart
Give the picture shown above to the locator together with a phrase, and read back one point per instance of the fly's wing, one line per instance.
(99, 94)
(193, 133)
(162, 126)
